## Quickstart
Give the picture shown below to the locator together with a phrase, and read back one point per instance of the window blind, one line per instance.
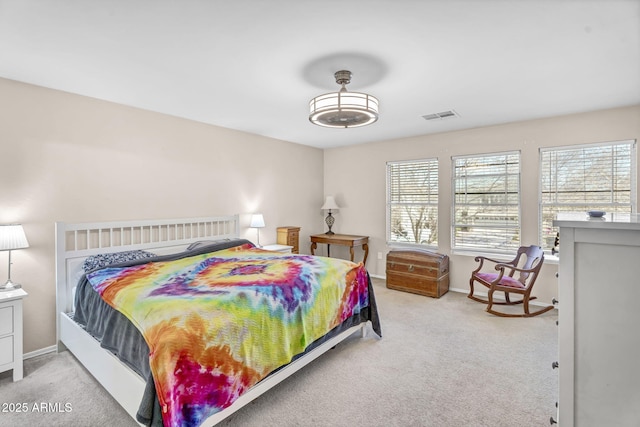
(486, 202)
(412, 202)
(582, 178)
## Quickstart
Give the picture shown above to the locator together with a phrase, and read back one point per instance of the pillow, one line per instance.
(202, 243)
(102, 260)
(206, 246)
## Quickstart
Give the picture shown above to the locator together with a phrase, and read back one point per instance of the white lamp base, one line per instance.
(10, 286)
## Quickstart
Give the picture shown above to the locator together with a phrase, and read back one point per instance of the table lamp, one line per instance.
(12, 237)
(329, 204)
(257, 221)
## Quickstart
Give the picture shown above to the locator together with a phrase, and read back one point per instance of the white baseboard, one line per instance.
(466, 291)
(39, 352)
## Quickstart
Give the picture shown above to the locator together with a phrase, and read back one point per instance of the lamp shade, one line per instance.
(343, 109)
(12, 237)
(330, 203)
(257, 221)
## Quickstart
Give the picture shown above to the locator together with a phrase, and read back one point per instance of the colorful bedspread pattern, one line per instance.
(218, 323)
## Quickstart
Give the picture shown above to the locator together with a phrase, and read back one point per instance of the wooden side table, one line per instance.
(343, 240)
(11, 331)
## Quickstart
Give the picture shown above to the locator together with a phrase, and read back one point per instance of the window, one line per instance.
(583, 178)
(486, 202)
(412, 202)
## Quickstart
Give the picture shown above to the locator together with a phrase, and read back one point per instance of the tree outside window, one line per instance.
(486, 202)
(583, 178)
(412, 202)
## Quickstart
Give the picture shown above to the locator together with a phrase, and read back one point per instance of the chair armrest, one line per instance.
(502, 268)
(482, 259)
(511, 267)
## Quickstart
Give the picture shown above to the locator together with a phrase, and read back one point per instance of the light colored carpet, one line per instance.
(441, 362)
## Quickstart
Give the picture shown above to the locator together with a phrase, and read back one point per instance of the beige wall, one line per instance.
(357, 177)
(65, 157)
(69, 158)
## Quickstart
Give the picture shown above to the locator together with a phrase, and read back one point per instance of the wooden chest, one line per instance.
(417, 271)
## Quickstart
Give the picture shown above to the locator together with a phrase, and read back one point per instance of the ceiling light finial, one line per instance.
(343, 109)
(343, 77)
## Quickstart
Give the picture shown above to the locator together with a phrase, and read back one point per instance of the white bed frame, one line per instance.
(75, 242)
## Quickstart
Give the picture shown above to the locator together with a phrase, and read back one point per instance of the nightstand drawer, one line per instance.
(6, 320)
(6, 350)
(289, 236)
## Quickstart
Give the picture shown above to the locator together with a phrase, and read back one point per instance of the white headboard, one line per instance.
(76, 242)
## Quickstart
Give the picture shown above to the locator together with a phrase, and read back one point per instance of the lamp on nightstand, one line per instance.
(329, 204)
(257, 221)
(12, 237)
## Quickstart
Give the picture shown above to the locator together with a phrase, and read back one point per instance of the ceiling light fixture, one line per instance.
(343, 109)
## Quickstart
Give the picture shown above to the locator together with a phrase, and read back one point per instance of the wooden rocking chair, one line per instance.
(504, 280)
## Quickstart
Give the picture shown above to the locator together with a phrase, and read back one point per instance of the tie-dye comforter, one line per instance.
(217, 323)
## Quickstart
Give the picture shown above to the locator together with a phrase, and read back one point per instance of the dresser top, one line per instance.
(610, 221)
(13, 294)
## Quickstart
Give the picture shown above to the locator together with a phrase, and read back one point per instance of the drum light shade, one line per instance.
(343, 109)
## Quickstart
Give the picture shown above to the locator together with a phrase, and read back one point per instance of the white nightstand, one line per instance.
(11, 331)
(286, 249)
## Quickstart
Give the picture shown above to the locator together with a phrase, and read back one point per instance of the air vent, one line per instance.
(449, 114)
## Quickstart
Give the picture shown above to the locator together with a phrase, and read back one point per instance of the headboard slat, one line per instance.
(75, 242)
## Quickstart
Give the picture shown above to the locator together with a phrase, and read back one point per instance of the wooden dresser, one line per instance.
(417, 271)
(290, 236)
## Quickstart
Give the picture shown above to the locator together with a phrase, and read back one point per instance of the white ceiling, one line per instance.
(253, 65)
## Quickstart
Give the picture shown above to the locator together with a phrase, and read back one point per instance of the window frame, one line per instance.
(434, 166)
(466, 249)
(582, 207)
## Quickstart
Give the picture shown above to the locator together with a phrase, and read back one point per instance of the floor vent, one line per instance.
(449, 114)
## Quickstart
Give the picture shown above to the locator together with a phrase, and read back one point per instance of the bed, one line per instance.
(90, 326)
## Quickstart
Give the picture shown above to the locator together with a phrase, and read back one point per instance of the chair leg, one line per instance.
(507, 300)
(471, 295)
(490, 298)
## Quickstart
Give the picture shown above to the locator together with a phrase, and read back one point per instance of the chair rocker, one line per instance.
(510, 279)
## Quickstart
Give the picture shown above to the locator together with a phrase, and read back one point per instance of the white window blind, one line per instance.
(412, 202)
(586, 177)
(486, 202)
